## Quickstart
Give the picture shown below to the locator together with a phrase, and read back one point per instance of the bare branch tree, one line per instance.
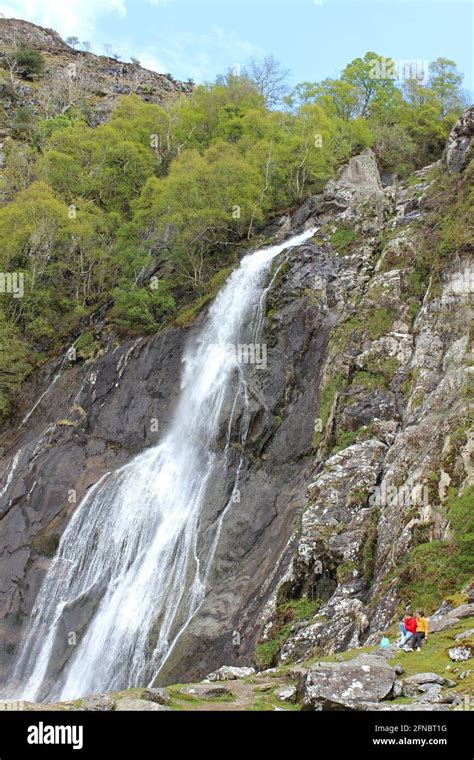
(68, 87)
(269, 77)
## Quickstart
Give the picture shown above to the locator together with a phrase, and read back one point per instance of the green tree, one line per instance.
(73, 41)
(446, 81)
(15, 363)
(369, 75)
(30, 62)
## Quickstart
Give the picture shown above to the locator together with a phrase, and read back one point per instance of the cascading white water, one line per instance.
(134, 539)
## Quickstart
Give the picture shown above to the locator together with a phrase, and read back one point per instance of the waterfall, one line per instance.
(133, 552)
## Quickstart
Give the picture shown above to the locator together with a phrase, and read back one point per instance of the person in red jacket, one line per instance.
(407, 628)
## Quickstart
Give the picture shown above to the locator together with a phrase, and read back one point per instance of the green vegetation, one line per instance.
(370, 547)
(344, 438)
(142, 214)
(344, 240)
(345, 571)
(432, 570)
(384, 367)
(379, 322)
(369, 380)
(27, 61)
(448, 232)
(287, 614)
(433, 657)
(328, 395)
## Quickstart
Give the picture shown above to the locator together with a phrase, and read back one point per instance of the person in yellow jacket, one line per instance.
(421, 631)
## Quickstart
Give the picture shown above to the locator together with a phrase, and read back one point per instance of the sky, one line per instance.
(314, 39)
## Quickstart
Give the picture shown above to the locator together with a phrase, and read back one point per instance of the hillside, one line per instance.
(72, 78)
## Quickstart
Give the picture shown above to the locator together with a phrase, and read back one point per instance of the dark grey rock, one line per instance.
(460, 140)
(160, 696)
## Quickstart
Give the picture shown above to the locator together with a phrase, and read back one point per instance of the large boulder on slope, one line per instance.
(230, 673)
(338, 686)
(160, 696)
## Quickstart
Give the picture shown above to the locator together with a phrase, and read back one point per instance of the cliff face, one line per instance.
(394, 387)
(358, 435)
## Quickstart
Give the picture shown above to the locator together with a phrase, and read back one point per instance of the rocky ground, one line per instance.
(438, 678)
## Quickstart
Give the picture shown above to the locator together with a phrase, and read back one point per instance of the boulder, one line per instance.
(344, 685)
(160, 696)
(286, 694)
(98, 703)
(397, 689)
(463, 611)
(230, 673)
(202, 691)
(460, 654)
(430, 692)
(441, 622)
(419, 679)
(464, 635)
(413, 707)
(128, 704)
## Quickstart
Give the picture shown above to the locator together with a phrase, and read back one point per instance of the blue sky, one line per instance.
(312, 38)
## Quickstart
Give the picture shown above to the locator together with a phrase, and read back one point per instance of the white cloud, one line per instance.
(184, 54)
(199, 56)
(68, 17)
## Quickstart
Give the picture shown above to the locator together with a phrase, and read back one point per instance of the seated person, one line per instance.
(407, 628)
(421, 632)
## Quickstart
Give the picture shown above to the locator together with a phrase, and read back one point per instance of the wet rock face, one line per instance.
(97, 416)
(93, 418)
(276, 469)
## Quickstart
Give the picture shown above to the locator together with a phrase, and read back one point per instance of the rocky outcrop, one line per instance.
(460, 141)
(84, 419)
(447, 618)
(229, 673)
(392, 398)
(128, 704)
(74, 78)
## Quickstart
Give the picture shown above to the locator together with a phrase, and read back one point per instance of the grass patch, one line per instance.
(433, 570)
(344, 438)
(368, 380)
(336, 384)
(344, 240)
(434, 658)
(379, 322)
